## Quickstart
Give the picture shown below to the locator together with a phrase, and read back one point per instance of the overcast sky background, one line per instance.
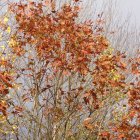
(126, 7)
(133, 7)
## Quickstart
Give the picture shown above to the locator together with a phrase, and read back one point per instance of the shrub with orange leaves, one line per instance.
(69, 83)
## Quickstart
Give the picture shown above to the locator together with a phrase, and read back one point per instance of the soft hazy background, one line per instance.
(131, 7)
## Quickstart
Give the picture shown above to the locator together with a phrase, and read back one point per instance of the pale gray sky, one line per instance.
(126, 8)
(131, 6)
